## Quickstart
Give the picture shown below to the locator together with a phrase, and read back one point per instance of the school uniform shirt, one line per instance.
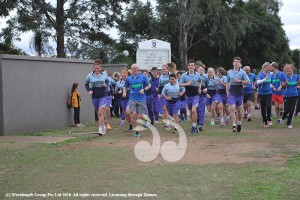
(111, 86)
(212, 86)
(204, 83)
(136, 84)
(277, 79)
(191, 90)
(95, 83)
(265, 87)
(154, 85)
(249, 88)
(291, 88)
(172, 90)
(119, 87)
(222, 88)
(163, 80)
(235, 88)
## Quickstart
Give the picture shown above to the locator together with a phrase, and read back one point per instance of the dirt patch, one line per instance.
(206, 150)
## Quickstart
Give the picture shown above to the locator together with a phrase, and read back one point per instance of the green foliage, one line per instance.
(8, 49)
(83, 20)
(296, 57)
(217, 30)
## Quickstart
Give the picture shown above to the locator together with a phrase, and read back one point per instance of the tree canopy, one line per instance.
(213, 31)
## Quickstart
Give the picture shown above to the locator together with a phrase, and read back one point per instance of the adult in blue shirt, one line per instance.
(137, 99)
(192, 83)
(96, 85)
(264, 86)
(291, 83)
(249, 93)
(236, 78)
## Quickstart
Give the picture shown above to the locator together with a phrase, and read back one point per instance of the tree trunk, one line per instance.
(183, 34)
(60, 29)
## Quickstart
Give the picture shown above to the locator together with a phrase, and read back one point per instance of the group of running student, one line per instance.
(224, 93)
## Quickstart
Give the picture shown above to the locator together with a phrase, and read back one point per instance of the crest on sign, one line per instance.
(153, 43)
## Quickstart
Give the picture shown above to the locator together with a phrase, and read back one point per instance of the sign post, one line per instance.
(153, 53)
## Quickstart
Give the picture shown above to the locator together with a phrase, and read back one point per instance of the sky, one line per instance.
(289, 13)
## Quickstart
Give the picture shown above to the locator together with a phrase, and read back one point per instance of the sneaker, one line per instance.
(234, 129)
(156, 122)
(145, 125)
(77, 125)
(289, 126)
(245, 116)
(194, 130)
(218, 116)
(122, 123)
(108, 127)
(257, 107)
(82, 125)
(227, 122)
(278, 121)
(130, 127)
(100, 131)
(266, 125)
(249, 117)
(270, 123)
(137, 134)
(222, 124)
(281, 121)
(239, 128)
(175, 130)
(103, 130)
(212, 123)
(168, 127)
(200, 128)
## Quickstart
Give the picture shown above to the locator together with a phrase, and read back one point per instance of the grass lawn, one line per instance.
(255, 164)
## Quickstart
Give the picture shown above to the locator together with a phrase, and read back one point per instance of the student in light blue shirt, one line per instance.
(236, 78)
(249, 93)
(192, 83)
(163, 80)
(211, 94)
(172, 93)
(202, 98)
(96, 85)
(222, 99)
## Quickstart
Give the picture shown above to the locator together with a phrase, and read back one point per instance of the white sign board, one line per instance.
(153, 53)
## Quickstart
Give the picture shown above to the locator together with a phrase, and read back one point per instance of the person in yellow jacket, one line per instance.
(76, 104)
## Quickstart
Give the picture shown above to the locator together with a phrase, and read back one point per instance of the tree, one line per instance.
(296, 58)
(69, 18)
(185, 24)
(8, 49)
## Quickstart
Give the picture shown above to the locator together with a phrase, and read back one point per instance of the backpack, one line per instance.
(69, 101)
